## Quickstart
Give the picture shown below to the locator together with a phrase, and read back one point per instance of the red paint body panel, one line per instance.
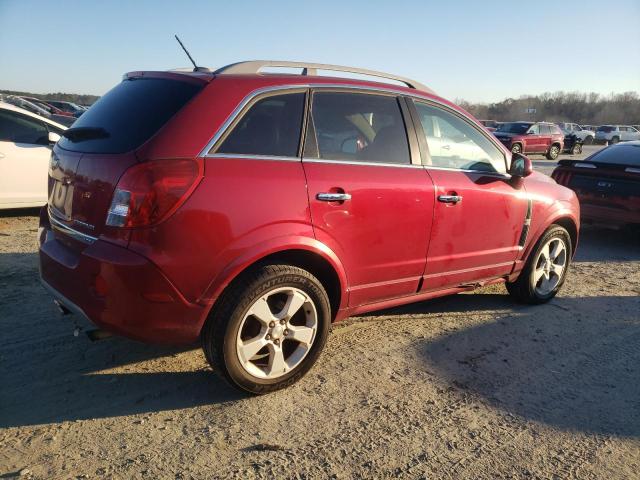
(478, 237)
(392, 243)
(382, 233)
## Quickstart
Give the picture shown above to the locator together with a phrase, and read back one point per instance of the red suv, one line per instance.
(250, 211)
(528, 137)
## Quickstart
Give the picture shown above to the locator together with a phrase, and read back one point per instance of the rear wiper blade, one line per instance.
(85, 133)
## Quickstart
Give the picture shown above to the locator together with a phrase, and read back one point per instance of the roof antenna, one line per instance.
(196, 68)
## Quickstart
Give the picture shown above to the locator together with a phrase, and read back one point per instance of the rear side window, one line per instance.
(357, 127)
(18, 128)
(129, 114)
(271, 127)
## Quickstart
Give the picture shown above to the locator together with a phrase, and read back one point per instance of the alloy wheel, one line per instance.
(277, 332)
(550, 266)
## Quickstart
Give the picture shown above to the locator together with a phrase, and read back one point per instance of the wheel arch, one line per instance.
(305, 253)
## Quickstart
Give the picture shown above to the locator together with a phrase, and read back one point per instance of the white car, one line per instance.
(25, 150)
(587, 136)
(616, 133)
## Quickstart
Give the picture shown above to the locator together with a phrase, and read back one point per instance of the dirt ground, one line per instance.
(470, 386)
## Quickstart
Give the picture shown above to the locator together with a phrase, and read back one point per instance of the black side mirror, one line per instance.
(521, 166)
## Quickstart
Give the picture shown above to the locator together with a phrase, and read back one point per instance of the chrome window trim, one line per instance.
(335, 86)
(506, 176)
(355, 162)
(82, 237)
(253, 157)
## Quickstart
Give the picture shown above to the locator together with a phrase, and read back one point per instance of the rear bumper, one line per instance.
(117, 290)
(608, 216)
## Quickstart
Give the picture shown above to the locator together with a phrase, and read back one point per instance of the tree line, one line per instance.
(583, 108)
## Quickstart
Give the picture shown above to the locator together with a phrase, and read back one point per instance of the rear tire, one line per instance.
(268, 328)
(576, 149)
(516, 148)
(539, 281)
(553, 152)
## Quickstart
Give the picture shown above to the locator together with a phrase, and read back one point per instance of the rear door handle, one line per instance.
(333, 197)
(450, 198)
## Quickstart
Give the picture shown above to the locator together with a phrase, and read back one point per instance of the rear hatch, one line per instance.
(88, 161)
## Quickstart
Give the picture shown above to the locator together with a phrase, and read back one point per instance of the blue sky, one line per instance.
(476, 50)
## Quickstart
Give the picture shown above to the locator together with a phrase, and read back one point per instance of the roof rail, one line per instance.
(254, 67)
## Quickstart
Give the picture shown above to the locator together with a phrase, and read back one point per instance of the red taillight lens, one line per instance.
(148, 193)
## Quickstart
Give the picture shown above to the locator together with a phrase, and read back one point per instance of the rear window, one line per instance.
(621, 154)
(130, 114)
(606, 128)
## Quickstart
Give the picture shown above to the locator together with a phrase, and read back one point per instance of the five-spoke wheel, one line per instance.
(268, 328)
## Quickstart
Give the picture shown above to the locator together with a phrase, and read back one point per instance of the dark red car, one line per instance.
(528, 137)
(607, 184)
(250, 211)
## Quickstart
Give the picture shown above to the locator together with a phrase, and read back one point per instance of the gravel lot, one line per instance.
(470, 386)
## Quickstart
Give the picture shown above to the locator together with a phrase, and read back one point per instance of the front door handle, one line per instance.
(450, 198)
(333, 197)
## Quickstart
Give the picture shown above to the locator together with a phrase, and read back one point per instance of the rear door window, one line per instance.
(357, 127)
(271, 127)
(129, 114)
(18, 128)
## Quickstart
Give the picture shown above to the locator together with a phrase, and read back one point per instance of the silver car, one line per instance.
(616, 133)
(587, 136)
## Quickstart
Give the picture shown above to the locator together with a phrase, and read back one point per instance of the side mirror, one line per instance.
(53, 137)
(530, 133)
(521, 166)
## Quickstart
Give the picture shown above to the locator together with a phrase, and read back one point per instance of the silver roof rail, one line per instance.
(254, 67)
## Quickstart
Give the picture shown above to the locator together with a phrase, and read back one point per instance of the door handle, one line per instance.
(446, 147)
(2, 155)
(333, 197)
(450, 198)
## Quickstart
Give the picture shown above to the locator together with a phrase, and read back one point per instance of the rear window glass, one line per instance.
(130, 114)
(271, 127)
(621, 154)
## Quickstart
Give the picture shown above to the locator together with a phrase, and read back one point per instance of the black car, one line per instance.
(572, 144)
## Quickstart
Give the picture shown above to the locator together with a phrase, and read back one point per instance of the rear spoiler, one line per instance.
(591, 164)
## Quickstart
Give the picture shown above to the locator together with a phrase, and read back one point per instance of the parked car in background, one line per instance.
(616, 133)
(47, 106)
(607, 184)
(586, 136)
(530, 137)
(25, 150)
(39, 109)
(251, 211)
(491, 125)
(69, 107)
(572, 144)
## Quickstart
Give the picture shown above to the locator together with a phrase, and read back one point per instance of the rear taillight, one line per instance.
(149, 192)
(561, 177)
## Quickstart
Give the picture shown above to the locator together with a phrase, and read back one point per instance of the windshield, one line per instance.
(128, 115)
(606, 128)
(514, 127)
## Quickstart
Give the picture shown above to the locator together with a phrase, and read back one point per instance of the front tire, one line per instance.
(268, 328)
(588, 140)
(516, 148)
(553, 152)
(576, 149)
(546, 268)
(614, 140)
